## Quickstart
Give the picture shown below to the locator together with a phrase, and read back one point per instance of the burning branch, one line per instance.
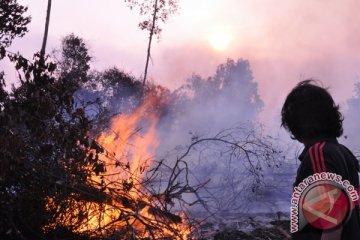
(129, 195)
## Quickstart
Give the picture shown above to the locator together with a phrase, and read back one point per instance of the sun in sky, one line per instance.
(219, 38)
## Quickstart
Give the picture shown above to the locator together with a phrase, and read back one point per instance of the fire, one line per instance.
(131, 209)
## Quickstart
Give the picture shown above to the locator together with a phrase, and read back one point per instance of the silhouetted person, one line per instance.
(312, 118)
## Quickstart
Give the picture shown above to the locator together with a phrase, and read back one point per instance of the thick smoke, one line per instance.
(202, 107)
(222, 108)
(226, 105)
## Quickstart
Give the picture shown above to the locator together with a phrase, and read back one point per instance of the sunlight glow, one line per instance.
(220, 39)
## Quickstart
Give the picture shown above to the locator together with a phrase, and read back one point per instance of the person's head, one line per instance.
(310, 112)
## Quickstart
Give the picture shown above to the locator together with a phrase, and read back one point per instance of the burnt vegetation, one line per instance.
(55, 178)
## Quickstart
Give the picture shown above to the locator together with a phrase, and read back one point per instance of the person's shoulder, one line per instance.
(330, 148)
(336, 148)
(339, 157)
(326, 155)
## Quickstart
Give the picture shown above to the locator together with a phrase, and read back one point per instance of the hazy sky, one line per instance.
(284, 40)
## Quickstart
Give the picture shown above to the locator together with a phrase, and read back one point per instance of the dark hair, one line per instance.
(310, 112)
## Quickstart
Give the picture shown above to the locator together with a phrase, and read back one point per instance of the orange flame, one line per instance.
(129, 145)
(133, 149)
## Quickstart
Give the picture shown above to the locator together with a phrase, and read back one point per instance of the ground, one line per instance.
(278, 231)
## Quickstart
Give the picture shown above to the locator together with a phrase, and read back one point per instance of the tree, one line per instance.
(47, 22)
(74, 62)
(12, 23)
(73, 67)
(53, 163)
(155, 10)
(121, 90)
(232, 92)
(43, 139)
(47, 184)
(232, 84)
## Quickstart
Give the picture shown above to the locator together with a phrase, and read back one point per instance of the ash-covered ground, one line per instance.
(264, 226)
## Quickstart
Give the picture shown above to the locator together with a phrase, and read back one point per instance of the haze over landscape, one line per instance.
(284, 42)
